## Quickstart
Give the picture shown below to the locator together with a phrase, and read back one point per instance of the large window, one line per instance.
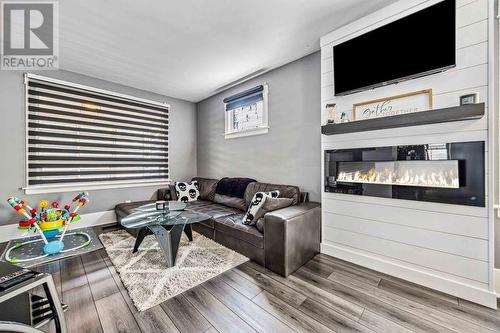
(246, 113)
(86, 138)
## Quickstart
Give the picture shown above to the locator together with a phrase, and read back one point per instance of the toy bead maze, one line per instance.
(51, 222)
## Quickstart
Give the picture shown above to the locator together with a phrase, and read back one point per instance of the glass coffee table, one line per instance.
(166, 221)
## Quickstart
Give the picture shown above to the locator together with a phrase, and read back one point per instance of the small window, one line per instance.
(246, 113)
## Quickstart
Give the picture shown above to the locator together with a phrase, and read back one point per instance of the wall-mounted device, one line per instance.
(469, 99)
(420, 44)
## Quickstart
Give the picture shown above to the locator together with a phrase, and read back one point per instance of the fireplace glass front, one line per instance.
(450, 173)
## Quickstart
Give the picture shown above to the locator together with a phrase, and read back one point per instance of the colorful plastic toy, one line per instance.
(48, 222)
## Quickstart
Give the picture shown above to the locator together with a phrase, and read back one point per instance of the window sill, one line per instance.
(257, 131)
(85, 186)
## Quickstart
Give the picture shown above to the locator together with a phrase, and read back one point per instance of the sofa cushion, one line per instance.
(234, 202)
(232, 225)
(197, 206)
(206, 187)
(286, 191)
(212, 209)
(127, 208)
(194, 205)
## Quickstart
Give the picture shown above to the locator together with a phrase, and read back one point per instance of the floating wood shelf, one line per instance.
(456, 113)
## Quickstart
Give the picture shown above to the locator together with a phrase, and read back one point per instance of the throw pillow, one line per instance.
(257, 201)
(272, 204)
(187, 191)
(207, 188)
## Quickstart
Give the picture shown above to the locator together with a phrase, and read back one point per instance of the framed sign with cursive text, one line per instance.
(390, 106)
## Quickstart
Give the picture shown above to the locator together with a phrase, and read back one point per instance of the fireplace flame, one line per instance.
(406, 176)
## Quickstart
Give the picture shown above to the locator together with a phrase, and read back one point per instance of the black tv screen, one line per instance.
(416, 45)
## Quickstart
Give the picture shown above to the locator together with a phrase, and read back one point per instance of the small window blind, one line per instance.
(245, 98)
(80, 136)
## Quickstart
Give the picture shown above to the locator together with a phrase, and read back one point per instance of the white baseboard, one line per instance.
(10, 231)
(470, 293)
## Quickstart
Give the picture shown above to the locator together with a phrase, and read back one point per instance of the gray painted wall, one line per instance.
(290, 152)
(182, 144)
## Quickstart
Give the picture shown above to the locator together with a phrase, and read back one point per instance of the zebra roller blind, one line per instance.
(80, 136)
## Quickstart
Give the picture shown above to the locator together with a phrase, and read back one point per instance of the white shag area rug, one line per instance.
(144, 273)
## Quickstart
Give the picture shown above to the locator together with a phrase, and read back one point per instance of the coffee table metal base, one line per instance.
(168, 237)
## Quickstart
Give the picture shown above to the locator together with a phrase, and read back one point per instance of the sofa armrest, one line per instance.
(291, 237)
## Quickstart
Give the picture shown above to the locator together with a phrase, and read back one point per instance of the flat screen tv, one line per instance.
(420, 44)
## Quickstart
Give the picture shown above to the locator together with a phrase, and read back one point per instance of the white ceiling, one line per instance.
(189, 48)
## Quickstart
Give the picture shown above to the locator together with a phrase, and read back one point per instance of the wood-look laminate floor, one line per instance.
(326, 295)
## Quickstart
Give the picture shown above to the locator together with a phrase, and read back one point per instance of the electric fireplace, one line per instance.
(450, 173)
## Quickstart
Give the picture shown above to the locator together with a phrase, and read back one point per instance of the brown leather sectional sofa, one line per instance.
(287, 238)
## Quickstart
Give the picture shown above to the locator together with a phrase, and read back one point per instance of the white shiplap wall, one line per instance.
(446, 247)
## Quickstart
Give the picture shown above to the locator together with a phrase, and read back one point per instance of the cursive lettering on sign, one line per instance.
(384, 109)
(377, 110)
(395, 105)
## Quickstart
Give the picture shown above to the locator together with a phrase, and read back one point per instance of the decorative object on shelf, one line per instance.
(334, 117)
(344, 118)
(394, 105)
(330, 113)
(469, 99)
(48, 223)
